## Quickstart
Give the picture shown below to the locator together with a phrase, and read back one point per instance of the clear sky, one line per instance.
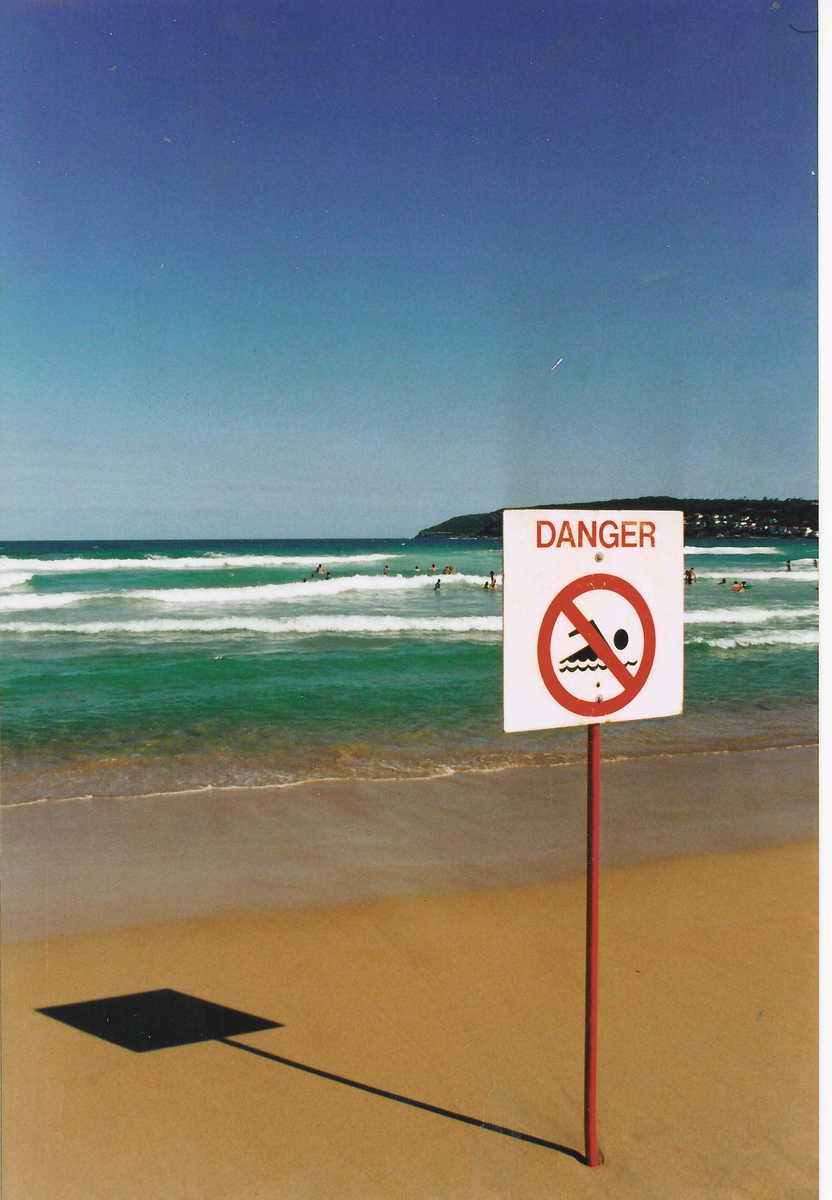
(302, 268)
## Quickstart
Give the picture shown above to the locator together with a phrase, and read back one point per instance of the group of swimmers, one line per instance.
(321, 572)
(737, 586)
(491, 581)
(431, 570)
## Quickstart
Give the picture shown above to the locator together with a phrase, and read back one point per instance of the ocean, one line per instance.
(145, 667)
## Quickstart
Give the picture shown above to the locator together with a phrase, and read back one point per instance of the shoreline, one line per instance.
(447, 773)
(113, 862)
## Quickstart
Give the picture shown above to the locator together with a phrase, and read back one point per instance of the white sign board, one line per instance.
(592, 616)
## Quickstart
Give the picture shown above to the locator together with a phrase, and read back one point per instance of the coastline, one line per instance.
(428, 777)
(697, 732)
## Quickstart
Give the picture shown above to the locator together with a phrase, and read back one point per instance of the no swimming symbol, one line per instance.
(618, 634)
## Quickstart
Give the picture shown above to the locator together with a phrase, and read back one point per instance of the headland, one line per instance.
(791, 518)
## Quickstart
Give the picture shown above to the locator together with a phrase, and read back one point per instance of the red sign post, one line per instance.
(593, 873)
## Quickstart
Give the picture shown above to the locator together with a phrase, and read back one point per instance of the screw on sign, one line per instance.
(615, 633)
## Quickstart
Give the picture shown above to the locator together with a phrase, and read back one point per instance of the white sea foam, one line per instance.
(757, 574)
(266, 593)
(286, 625)
(202, 562)
(731, 550)
(793, 637)
(10, 579)
(314, 589)
(31, 601)
(742, 615)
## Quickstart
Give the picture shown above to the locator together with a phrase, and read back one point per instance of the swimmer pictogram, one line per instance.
(611, 620)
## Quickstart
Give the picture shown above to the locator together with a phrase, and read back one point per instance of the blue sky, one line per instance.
(301, 269)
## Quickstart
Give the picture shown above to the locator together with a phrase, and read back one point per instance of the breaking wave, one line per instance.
(807, 575)
(794, 637)
(289, 625)
(265, 593)
(202, 562)
(731, 550)
(746, 616)
(315, 588)
(31, 601)
(357, 625)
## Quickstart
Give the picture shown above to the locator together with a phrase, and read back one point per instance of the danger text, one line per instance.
(609, 534)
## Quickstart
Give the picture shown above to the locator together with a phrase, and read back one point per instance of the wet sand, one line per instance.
(77, 865)
(424, 939)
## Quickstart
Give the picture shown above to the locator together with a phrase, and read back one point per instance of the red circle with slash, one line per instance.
(564, 604)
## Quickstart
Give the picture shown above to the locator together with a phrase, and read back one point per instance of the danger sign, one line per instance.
(592, 617)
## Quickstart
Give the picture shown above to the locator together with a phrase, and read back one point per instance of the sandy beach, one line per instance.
(423, 939)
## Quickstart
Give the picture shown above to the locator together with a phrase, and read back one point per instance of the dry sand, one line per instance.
(425, 939)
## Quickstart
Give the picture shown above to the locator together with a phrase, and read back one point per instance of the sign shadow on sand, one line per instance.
(164, 1018)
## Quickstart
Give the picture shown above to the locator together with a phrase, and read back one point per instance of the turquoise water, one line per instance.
(136, 667)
